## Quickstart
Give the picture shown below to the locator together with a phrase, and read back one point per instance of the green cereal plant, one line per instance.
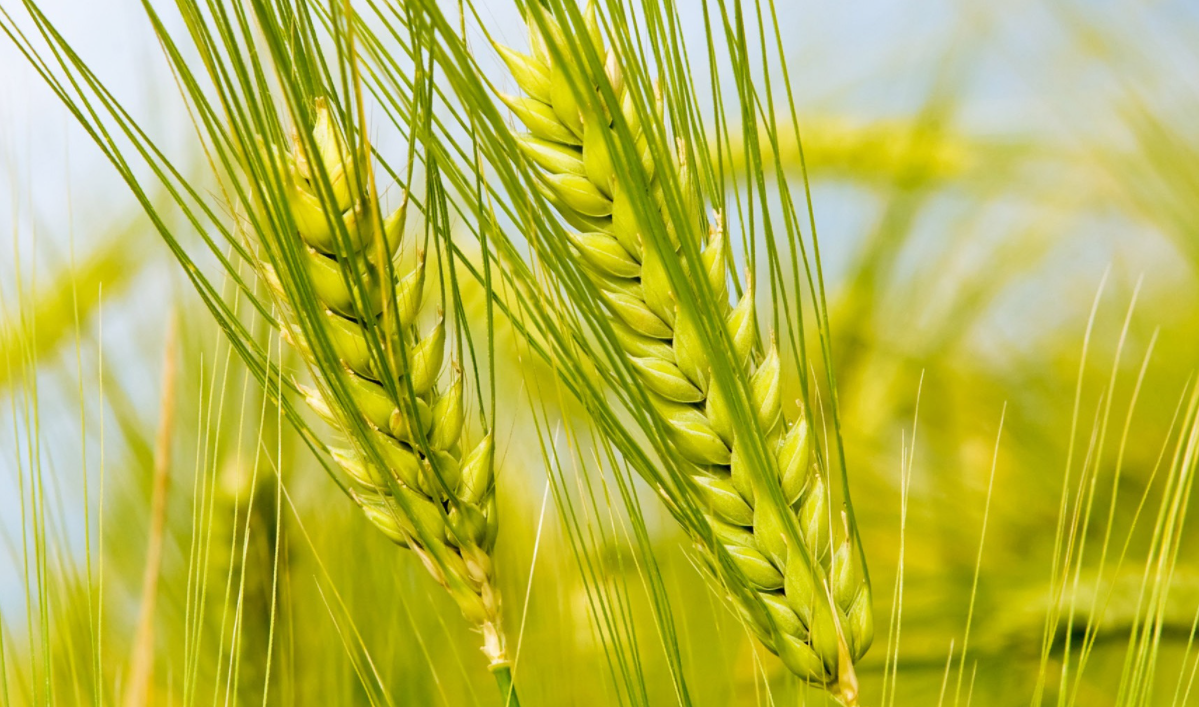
(412, 475)
(242, 545)
(346, 290)
(747, 479)
(809, 599)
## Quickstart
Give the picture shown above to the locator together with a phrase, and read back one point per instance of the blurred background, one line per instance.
(1007, 202)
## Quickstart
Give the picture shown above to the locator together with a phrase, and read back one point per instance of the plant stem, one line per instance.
(503, 678)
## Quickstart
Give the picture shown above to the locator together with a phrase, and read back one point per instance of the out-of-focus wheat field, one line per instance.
(1007, 201)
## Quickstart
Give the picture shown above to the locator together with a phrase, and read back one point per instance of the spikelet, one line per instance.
(427, 495)
(813, 605)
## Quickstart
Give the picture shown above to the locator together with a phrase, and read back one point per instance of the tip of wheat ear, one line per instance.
(809, 605)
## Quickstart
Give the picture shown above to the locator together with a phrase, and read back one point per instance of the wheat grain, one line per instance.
(816, 615)
(427, 496)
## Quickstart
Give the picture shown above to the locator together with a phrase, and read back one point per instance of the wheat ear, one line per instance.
(813, 606)
(410, 477)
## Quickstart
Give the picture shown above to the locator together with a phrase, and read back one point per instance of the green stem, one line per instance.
(503, 678)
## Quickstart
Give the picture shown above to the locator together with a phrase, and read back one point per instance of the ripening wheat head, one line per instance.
(406, 461)
(809, 601)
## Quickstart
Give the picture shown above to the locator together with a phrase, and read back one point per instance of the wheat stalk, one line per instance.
(811, 605)
(406, 463)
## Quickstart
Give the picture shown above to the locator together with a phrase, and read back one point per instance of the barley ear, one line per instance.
(403, 427)
(806, 602)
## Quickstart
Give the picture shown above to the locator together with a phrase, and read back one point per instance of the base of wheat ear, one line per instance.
(426, 494)
(810, 605)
